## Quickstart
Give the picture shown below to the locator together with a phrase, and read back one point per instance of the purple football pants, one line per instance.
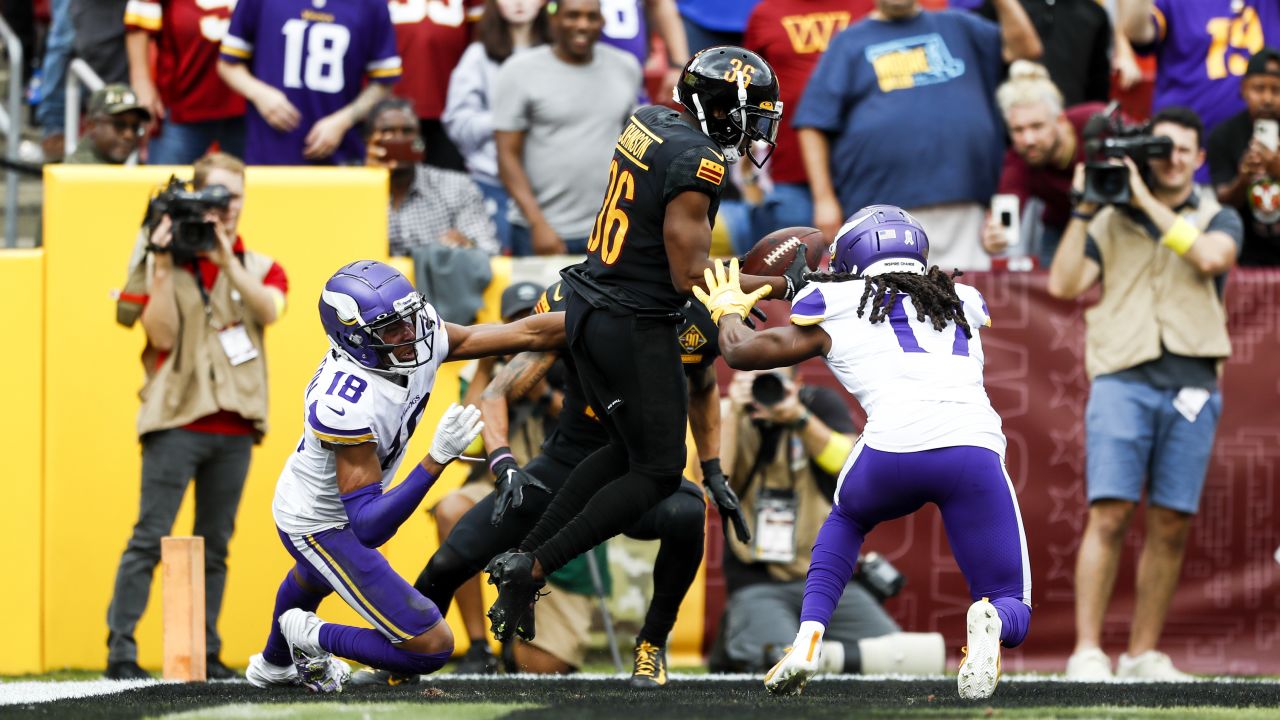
(979, 511)
(336, 561)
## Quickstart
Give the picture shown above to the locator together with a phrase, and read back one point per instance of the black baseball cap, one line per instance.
(1258, 63)
(519, 297)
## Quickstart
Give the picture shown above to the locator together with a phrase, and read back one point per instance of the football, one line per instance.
(775, 251)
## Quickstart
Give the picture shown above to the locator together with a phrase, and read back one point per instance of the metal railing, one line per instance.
(14, 132)
(78, 73)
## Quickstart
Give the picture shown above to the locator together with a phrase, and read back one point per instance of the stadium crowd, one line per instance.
(528, 152)
(497, 119)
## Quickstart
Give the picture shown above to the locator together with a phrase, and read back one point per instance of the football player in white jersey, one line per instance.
(330, 508)
(902, 337)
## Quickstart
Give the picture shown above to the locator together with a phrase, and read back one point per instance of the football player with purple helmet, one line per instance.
(914, 361)
(332, 508)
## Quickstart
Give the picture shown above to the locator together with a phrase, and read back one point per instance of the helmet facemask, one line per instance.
(378, 343)
(409, 327)
(756, 124)
(741, 126)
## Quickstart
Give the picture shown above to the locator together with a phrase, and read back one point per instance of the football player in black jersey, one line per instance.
(503, 518)
(647, 250)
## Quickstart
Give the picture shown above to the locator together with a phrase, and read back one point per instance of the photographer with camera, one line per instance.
(1154, 349)
(204, 301)
(786, 444)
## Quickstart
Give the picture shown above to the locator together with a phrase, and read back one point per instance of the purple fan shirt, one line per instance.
(625, 27)
(1202, 48)
(319, 53)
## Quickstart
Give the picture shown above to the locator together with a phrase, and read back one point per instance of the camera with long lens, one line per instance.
(186, 208)
(1108, 138)
(879, 577)
(768, 389)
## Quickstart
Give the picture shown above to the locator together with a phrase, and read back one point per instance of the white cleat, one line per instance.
(800, 663)
(321, 674)
(302, 630)
(263, 674)
(980, 667)
(318, 670)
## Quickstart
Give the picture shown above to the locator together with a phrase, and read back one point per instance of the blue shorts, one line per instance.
(364, 579)
(1135, 439)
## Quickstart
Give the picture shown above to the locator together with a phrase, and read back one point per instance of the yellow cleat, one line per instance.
(650, 669)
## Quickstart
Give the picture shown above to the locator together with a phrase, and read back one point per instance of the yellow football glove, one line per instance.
(724, 293)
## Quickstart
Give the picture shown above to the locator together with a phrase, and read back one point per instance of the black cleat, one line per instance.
(126, 670)
(650, 669)
(215, 670)
(512, 612)
(370, 676)
(478, 660)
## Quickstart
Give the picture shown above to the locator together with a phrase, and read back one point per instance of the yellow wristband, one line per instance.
(1180, 236)
(277, 301)
(832, 457)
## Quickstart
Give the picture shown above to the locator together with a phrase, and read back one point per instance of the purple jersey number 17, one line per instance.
(907, 339)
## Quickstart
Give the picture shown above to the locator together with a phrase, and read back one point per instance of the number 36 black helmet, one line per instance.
(733, 93)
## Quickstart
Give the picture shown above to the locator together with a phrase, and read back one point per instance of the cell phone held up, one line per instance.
(1267, 133)
(1004, 210)
(403, 152)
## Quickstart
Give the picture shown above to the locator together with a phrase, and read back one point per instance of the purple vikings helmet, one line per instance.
(366, 300)
(880, 239)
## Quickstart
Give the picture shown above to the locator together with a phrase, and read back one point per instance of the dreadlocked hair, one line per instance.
(934, 295)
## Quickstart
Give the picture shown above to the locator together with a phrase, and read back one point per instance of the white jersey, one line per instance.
(347, 404)
(921, 388)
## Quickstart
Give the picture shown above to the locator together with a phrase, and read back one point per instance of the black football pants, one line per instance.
(678, 522)
(632, 376)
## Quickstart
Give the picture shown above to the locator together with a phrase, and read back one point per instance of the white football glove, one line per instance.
(800, 663)
(457, 429)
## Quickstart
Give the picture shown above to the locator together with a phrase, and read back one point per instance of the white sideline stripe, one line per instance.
(677, 677)
(29, 692)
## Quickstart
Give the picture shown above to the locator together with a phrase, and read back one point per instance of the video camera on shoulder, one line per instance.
(186, 208)
(1108, 137)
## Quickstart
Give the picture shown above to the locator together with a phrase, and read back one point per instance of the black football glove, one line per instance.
(755, 314)
(726, 501)
(795, 276)
(511, 483)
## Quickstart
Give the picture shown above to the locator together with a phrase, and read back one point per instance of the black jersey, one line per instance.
(578, 432)
(656, 158)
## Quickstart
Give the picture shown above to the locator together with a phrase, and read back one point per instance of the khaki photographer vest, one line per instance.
(197, 379)
(811, 505)
(1151, 298)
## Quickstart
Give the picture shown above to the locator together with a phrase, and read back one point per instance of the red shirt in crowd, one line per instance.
(431, 36)
(187, 34)
(1051, 184)
(792, 35)
(225, 422)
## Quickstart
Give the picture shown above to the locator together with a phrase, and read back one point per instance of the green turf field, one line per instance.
(579, 698)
